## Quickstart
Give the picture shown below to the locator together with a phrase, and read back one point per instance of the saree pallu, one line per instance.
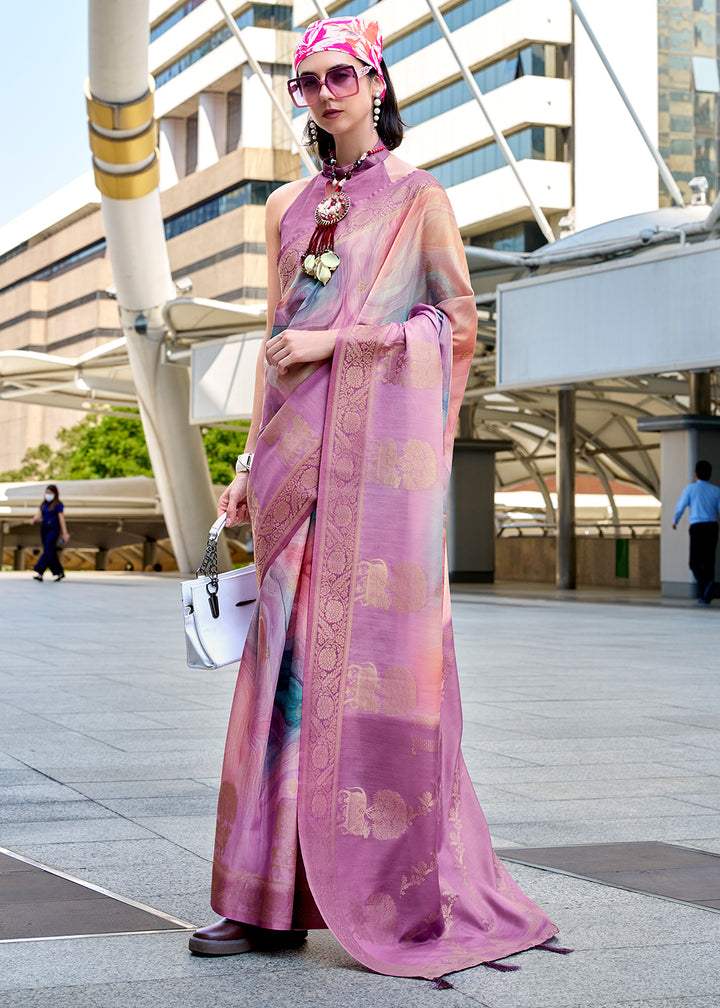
(344, 797)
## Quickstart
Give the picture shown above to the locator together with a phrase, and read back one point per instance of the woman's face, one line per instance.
(339, 116)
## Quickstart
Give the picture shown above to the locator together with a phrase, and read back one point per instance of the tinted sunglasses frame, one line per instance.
(294, 85)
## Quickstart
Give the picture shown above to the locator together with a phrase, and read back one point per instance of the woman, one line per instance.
(52, 530)
(345, 802)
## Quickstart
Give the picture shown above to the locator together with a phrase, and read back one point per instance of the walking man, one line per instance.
(703, 499)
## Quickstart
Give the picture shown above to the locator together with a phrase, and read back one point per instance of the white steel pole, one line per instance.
(502, 143)
(123, 138)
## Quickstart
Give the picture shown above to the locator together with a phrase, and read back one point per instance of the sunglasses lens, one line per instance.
(342, 81)
(309, 87)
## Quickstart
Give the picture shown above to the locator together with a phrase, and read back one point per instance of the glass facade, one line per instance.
(252, 192)
(258, 16)
(535, 60)
(428, 33)
(544, 143)
(525, 237)
(688, 90)
(172, 19)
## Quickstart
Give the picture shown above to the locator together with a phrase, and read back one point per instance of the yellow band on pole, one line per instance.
(129, 185)
(125, 116)
(124, 150)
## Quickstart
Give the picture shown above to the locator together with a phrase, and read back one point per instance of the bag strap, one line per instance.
(208, 567)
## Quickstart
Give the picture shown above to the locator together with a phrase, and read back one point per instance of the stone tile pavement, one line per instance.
(587, 720)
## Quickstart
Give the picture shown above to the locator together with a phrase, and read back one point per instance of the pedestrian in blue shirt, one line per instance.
(52, 530)
(703, 499)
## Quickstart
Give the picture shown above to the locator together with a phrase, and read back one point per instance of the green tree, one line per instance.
(35, 466)
(100, 447)
(222, 447)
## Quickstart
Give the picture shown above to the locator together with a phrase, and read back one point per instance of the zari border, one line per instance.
(337, 542)
(288, 508)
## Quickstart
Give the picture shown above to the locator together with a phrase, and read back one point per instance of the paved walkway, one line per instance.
(586, 721)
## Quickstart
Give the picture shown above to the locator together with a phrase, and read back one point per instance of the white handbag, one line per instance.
(217, 609)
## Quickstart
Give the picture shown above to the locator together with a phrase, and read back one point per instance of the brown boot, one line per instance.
(229, 937)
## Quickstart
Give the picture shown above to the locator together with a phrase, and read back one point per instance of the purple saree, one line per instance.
(344, 738)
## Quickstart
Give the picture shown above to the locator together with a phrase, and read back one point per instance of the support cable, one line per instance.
(670, 183)
(502, 143)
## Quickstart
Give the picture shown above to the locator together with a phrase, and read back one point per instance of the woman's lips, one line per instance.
(332, 113)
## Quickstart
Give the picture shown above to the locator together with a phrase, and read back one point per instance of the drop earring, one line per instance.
(377, 102)
(312, 131)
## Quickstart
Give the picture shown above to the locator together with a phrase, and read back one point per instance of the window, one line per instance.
(254, 192)
(259, 15)
(461, 15)
(172, 19)
(705, 74)
(524, 237)
(531, 60)
(537, 142)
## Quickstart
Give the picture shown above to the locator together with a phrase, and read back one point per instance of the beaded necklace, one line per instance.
(320, 260)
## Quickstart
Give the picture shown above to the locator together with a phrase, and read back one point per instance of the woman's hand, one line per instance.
(234, 501)
(299, 346)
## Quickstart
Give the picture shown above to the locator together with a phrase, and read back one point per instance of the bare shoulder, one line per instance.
(280, 199)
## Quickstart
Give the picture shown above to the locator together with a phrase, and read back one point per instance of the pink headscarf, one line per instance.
(359, 38)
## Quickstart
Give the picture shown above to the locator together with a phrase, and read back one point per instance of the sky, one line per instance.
(44, 66)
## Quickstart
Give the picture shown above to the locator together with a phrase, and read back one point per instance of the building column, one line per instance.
(19, 558)
(471, 510)
(173, 151)
(683, 441)
(701, 393)
(566, 563)
(212, 128)
(256, 114)
(149, 553)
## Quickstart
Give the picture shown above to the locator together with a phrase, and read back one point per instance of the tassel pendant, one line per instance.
(319, 260)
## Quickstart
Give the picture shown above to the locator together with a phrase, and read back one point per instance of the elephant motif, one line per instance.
(402, 589)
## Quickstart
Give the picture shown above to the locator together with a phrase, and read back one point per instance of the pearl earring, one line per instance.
(312, 131)
(376, 110)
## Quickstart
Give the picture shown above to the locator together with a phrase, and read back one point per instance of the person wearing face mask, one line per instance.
(52, 530)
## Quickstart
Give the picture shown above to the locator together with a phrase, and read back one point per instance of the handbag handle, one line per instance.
(208, 567)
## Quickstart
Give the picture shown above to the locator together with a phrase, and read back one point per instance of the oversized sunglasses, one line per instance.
(341, 82)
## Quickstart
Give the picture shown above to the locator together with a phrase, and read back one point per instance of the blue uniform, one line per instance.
(50, 533)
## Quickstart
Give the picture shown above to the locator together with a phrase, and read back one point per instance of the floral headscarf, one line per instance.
(355, 36)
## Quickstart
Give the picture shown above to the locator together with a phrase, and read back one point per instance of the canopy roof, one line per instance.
(609, 446)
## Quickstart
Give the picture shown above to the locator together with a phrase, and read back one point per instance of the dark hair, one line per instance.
(53, 489)
(390, 126)
(703, 470)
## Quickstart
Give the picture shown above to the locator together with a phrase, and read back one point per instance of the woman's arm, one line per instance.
(63, 527)
(234, 499)
(36, 517)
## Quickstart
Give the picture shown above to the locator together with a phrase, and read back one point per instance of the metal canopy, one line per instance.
(101, 380)
(608, 443)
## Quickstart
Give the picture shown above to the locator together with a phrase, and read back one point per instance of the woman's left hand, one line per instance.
(299, 346)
